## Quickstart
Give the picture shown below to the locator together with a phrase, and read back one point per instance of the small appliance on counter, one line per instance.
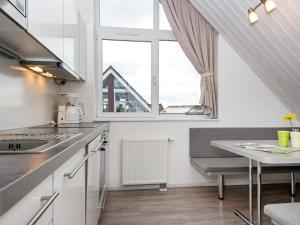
(69, 109)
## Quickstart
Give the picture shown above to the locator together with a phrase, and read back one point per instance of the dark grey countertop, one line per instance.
(20, 173)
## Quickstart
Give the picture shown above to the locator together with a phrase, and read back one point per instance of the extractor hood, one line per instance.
(6, 53)
(51, 69)
(17, 43)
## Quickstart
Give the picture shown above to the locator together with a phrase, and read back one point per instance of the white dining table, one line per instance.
(260, 156)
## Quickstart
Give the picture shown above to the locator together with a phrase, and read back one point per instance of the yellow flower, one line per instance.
(289, 116)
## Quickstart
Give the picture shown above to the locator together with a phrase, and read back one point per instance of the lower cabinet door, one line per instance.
(69, 179)
(103, 172)
(93, 194)
(25, 210)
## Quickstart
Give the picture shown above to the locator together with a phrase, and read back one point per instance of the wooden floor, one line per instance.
(186, 206)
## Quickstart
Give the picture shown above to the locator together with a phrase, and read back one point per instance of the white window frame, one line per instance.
(154, 36)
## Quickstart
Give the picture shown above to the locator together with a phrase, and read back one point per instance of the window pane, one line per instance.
(127, 76)
(163, 20)
(129, 13)
(179, 82)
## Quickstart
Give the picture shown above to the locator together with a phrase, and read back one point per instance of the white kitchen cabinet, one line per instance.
(104, 168)
(62, 29)
(96, 182)
(83, 49)
(23, 211)
(45, 23)
(69, 208)
(93, 182)
(71, 35)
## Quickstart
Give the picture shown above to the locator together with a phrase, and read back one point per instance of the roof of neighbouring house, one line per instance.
(112, 71)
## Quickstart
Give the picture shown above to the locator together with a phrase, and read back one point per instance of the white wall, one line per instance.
(244, 102)
(26, 99)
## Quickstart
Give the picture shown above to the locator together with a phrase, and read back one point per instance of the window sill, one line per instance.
(161, 118)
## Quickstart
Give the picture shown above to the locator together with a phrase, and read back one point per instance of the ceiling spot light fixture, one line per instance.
(253, 17)
(269, 6)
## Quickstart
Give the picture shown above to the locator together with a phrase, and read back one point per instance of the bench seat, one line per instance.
(284, 214)
(220, 166)
(212, 161)
(235, 166)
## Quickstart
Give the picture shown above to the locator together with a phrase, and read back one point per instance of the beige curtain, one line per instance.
(198, 40)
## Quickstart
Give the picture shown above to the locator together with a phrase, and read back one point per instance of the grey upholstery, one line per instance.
(219, 166)
(284, 214)
(234, 165)
(209, 160)
(213, 161)
(200, 139)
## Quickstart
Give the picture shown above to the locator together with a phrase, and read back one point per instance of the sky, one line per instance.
(130, 13)
(179, 83)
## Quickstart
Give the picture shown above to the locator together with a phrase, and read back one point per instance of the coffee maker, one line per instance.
(69, 109)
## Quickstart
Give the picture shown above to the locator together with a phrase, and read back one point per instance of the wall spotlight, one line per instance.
(269, 6)
(253, 17)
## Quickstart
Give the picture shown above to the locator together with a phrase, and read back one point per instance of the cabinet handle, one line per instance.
(105, 146)
(72, 174)
(50, 200)
(99, 146)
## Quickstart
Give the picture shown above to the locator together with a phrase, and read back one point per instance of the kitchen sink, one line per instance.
(32, 143)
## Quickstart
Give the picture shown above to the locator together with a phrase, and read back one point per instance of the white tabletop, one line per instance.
(263, 157)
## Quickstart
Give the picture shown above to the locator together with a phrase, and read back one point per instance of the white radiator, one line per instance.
(144, 161)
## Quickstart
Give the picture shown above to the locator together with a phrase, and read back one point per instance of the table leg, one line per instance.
(250, 191)
(237, 212)
(293, 184)
(259, 183)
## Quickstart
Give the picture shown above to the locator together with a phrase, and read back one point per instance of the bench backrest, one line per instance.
(200, 139)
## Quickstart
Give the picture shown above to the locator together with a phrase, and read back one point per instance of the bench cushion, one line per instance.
(200, 139)
(216, 166)
(235, 165)
(284, 214)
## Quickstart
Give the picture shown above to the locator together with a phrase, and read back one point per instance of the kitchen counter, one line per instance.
(20, 173)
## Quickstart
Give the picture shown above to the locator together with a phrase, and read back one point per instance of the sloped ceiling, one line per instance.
(271, 47)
